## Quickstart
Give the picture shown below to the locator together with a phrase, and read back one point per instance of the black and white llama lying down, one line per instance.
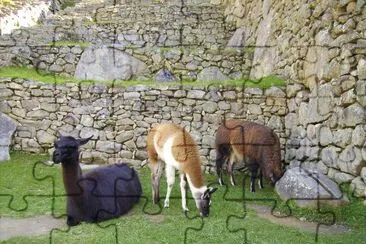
(104, 193)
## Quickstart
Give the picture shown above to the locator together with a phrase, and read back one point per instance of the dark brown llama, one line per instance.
(104, 193)
(255, 144)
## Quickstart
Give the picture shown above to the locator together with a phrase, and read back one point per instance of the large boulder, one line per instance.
(7, 129)
(107, 63)
(306, 186)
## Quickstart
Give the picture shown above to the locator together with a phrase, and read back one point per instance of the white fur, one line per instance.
(166, 154)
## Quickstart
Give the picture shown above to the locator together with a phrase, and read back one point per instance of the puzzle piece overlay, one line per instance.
(320, 118)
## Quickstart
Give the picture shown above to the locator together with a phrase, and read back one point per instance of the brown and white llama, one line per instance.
(173, 145)
(253, 143)
(103, 193)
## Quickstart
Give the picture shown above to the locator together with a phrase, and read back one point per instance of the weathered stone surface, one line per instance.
(124, 136)
(104, 63)
(44, 137)
(108, 146)
(164, 75)
(342, 137)
(363, 174)
(325, 136)
(209, 107)
(359, 135)
(358, 187)
(238, 38)
(350, 160)
(7, 129)
(274, 92)
(212, 74)
(329, 156)
(353, 115)
(298, 184)
(361, 69)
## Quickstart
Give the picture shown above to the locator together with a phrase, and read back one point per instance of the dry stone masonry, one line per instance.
(118, 118)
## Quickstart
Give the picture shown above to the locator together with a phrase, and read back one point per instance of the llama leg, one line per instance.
(156, 171)
(183, 190)
(260, 180)
(170, 177)
(230, 169)
(252, 178)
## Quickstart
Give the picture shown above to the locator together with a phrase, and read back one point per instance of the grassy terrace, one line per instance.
(148, 224)
(33, 74)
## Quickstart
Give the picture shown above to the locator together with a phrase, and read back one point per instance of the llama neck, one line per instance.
(196, 191)
(71, 176)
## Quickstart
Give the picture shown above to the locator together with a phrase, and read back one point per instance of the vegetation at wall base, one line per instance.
(42, 76)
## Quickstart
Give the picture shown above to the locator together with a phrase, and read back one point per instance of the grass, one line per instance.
(170, 225)
(69, 44)
(38, 75)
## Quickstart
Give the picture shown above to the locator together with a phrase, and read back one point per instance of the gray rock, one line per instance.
(254, 109)
(329, 156)
(361, 69)
(212, 74)
(358, 187)
(325, 136)
(359, 135)
(104, 63)
(305, 187)
(43, 137)
(350, 160)
(209, 107)
(274, 92)
(124, 136)
(293, 89)
(352, 115)
(275, 123)
(238, 38)
(363, 174)
(108, 146)
(342, 137)
(164, 75)
(7, 129)
(195, 94)
(89, 131)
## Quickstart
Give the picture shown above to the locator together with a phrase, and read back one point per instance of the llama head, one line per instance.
(67, 149)
(203, 202)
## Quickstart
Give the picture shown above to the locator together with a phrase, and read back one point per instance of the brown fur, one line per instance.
(185, 150)
(257, 144)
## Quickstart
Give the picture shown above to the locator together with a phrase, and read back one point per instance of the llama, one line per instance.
(254, 143)
(104, 193)
(174, 146)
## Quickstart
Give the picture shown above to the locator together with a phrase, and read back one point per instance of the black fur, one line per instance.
(104, 193)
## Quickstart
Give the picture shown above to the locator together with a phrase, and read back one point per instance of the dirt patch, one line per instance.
(265, 212)
(35, 226)
(155, 218)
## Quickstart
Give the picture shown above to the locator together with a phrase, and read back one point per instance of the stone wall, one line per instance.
(321, 47)
(118, 118)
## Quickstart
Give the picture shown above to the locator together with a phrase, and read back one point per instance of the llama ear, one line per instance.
(83, 141)
(212, 190)
(208, 192)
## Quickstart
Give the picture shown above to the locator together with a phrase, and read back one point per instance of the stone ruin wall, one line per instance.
(320, 46)
(118, 118)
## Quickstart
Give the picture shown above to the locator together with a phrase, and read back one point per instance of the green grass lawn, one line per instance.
(33, 74)
(24, 175)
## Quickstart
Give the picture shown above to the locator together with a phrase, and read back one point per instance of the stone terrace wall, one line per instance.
(119, 118)
(321, 47)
